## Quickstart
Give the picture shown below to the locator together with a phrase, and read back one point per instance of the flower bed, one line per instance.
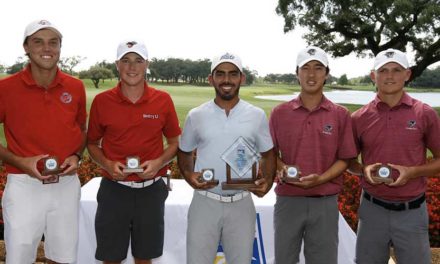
(350, 196)
(348, 199)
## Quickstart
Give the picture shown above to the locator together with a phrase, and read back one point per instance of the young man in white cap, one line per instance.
(315, 136)
(43, 111)
(394, 130)
(217, 215)
(126, 129)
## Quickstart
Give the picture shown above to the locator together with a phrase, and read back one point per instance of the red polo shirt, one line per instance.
(397, 135)
(312, 140)
(42, 121)
(133, 129)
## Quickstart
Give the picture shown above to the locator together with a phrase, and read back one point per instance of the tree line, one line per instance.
(171, 70)
(195, 72)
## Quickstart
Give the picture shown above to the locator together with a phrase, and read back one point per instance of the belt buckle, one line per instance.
(226, 199)
(53, 179)
(237, 197)
(397, 206)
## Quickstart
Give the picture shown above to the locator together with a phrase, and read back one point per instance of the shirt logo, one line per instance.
(150, 116)
(411, 124)
(311, 52)
(389, 54)
(327, 129)
(66, 98)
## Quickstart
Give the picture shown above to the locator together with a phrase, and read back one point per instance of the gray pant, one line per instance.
(406, 231)
(314, 220)
(211, 221)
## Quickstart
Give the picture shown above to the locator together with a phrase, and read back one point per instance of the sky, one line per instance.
(186, 29)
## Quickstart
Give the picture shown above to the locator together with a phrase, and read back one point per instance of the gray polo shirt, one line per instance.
(211, 132)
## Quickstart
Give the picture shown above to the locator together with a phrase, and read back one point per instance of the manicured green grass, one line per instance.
(186, 97)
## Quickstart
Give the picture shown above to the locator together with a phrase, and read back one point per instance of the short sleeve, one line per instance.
(171, 128)
(95, 130)
(264, 139)
(188, 140)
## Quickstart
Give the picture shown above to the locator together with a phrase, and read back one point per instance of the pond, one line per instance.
(357, 97)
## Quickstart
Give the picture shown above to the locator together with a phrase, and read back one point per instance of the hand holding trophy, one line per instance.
(383, 174)
(208, 176)
(241, 165)
(291, 174)
(51, 167)
(132, 164)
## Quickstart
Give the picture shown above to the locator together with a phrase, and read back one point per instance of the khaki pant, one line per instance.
(406, 231)
(312, 219)
(211, 222)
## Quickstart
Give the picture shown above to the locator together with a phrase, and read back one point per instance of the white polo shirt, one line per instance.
(209, 130)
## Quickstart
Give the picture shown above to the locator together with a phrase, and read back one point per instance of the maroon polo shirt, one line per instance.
(312, 140)
(397, 135)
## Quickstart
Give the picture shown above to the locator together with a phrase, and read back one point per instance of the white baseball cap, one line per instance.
(390, 55)
(311, 53)
(226, 57)
(37, 25)
(135, 46)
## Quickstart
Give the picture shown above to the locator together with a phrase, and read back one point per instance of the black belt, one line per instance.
(396, 206)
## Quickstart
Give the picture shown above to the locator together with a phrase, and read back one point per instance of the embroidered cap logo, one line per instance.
(131, 44)
(44, 22)
(227, 56)
(311, 52)
(389, 54)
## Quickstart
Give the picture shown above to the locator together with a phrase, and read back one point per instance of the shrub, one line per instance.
(348, 199)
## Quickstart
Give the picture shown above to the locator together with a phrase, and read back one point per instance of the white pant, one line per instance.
(31, 209)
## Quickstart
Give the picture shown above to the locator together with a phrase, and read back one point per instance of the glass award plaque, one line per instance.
(51, 166)
(241, 165)
(290, 174)
(208, 176)
(132, 165)
(383, 174)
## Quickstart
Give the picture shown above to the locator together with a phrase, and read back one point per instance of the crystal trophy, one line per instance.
(241, 165)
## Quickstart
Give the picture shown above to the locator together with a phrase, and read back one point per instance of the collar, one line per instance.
(404, 100)
(122, 98)
(325, 104)
(26, 76)
(233, 109)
